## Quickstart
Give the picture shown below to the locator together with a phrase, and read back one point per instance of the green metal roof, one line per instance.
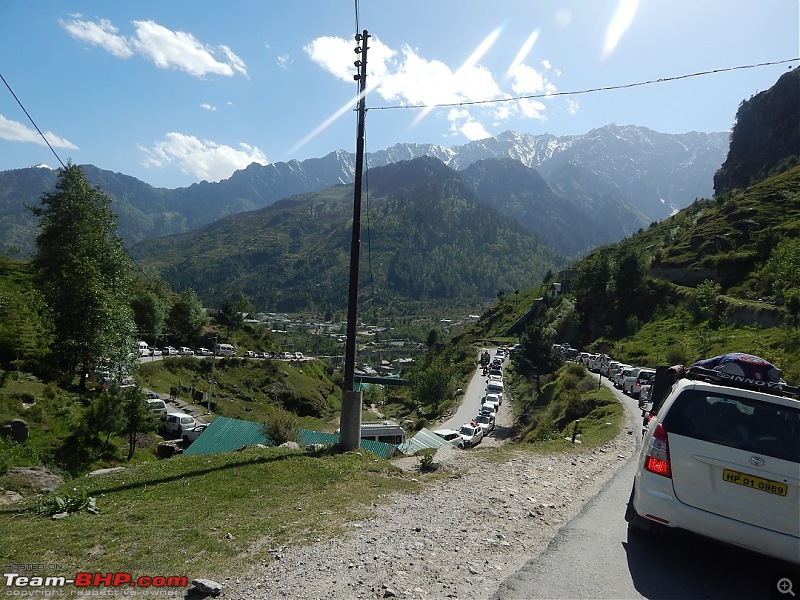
(226, 435)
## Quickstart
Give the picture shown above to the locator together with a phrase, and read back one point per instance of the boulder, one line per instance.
(17, 429)
(207, 586)
(38, 479)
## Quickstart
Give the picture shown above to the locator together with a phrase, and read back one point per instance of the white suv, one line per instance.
(721, 458)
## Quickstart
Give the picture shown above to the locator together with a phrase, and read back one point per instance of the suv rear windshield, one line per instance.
(736, 421)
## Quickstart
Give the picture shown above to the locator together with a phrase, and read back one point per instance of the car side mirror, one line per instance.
(646, 406)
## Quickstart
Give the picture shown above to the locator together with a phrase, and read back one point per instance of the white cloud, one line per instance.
(14, 131)
(337, 56)
(201, 158)
(408, 79)
(181, 50)
(102, 34)
(283, 61)
(167, 49)
(208, 106)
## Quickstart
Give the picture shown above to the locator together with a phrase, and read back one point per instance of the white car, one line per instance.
(185, 351)
(191, 434)
(486, 422)
(723, 462)
(169, 351)
(203, 352)
(155, 352)
(177, 423)
(471, 434)
(156, 407)
(250, 354)
(452, 436)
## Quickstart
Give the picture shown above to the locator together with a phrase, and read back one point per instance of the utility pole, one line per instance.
(350, 420)
(211, 381)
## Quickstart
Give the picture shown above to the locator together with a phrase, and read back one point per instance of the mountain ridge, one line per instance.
(147, 212)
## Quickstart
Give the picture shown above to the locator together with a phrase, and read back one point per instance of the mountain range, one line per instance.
(615, 180)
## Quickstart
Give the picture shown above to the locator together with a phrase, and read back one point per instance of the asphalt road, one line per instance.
(470, 406)
(593, 556)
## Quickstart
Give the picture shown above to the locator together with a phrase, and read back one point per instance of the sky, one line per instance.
(178, 92)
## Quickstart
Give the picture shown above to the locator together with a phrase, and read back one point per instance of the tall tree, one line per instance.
(536, 355)
(83, 273)
(186, 318)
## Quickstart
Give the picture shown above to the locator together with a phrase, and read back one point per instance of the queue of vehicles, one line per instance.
(221, 350)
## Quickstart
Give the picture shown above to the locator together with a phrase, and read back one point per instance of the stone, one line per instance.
(37, 479)
(207, 586)
(17, 429)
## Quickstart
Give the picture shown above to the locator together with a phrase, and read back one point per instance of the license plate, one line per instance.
(757, 483)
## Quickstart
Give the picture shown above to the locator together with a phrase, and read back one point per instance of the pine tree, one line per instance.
(83, 274)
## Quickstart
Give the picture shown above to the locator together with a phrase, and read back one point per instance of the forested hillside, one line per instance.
(425, 238)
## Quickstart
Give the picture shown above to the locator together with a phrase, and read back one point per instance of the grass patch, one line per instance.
(547, 419)
(200, 515)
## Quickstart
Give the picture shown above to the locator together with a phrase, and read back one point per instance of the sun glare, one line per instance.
(619, 24)
(523, 51)
(471, 61)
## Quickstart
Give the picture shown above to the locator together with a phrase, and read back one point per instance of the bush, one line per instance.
(281, 427)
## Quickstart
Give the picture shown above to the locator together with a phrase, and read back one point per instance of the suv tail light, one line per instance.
(657, 457)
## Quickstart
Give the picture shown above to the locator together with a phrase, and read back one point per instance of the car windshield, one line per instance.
(484, 419)
(466, 430)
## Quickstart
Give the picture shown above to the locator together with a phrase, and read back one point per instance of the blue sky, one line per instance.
(183, 91)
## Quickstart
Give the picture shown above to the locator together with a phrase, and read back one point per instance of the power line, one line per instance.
(32, 121)
(585, 91)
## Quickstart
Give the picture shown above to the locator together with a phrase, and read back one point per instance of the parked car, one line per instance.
(191, 434)
(610, 368)
(495, 387)
(176, 423)
(471, 434)
(486, 422)
(721, 459)
(169, 351)
(264, 355)
(642, 378)
(299, 356)
(489, 408)
(629, 381)
(155, 352)
(286, 356)
(250, 354)
(452, 436)
(156, 407)
(203, 352)
(185, 351)
(623, 372)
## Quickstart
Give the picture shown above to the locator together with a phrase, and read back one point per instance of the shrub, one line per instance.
(281, 427)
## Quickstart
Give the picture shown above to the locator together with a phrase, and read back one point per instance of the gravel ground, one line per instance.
(459, 538)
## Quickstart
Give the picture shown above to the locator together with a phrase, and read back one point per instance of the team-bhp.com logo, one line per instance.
(94, 580)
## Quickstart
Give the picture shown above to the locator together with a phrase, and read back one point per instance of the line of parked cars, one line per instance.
(472, 433)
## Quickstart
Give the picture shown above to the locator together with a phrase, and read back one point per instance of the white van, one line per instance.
(225, 350)
(143, 348)
(387, 432)
(495, 387)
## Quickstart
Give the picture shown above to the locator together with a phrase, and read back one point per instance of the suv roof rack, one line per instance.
(777, 388)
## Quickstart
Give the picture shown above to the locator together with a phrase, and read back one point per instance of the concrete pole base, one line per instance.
(350, 421)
